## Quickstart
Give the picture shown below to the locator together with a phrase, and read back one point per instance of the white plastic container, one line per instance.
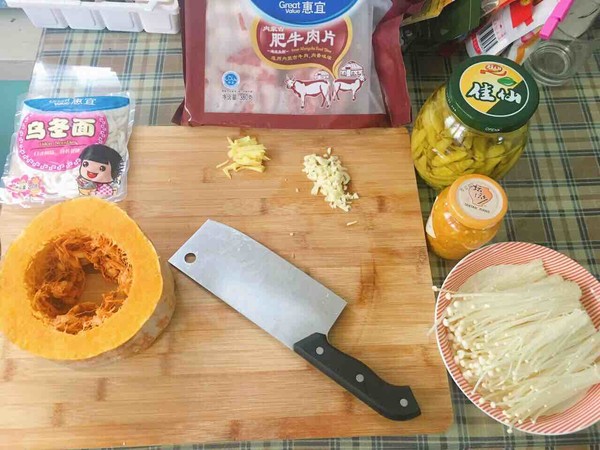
(153, 16)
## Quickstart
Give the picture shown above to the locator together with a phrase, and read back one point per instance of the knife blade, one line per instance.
(288, 304)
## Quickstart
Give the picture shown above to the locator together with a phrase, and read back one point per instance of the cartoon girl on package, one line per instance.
(100, 169)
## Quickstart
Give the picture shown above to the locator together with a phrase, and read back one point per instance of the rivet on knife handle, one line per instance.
(393, 402)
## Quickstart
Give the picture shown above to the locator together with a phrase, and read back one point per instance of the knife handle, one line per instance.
(393, 402)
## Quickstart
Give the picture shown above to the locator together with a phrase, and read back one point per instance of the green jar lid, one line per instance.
(492, 94)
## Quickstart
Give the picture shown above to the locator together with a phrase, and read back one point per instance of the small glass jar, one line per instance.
(555, 61)
(465, 216)
(477, 123)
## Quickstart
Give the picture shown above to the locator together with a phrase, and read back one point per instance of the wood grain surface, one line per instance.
(213, 376)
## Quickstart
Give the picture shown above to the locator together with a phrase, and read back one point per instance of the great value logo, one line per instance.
(302, 13)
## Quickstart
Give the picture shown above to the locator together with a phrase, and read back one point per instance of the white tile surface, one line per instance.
(19, 41)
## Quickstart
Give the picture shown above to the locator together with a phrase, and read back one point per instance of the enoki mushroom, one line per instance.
(527, 347)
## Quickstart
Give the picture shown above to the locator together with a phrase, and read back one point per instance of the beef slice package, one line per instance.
(294, 64)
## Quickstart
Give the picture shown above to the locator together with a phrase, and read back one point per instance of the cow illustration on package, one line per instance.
(310, 88)
(354, 78)
(347, 85)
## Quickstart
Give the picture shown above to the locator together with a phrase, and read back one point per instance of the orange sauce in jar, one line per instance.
(465, 216)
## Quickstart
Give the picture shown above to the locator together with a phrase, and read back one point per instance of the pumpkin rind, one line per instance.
(142, 316)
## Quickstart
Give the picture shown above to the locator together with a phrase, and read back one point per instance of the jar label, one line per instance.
(494, 89)
(429, 227)
(480, 199)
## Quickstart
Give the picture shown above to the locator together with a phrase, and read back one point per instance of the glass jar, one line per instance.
(477, 123)
(465, 216)
(555, 61)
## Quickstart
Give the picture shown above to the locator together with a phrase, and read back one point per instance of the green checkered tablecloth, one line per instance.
(554, 193)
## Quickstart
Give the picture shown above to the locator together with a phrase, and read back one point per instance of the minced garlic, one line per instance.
(330, 178)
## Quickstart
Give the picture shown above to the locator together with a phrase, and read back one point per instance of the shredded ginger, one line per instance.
(244, 154)
(522, 340)
(330, 178)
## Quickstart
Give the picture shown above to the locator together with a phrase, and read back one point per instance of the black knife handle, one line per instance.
(393, 402)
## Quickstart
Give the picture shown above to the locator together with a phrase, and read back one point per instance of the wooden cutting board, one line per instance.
(213, 376)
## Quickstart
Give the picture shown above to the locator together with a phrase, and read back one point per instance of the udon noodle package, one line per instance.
(71, 137)
(68, 147)
(294, 64)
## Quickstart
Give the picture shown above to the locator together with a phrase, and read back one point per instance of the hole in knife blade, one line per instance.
(190, 258)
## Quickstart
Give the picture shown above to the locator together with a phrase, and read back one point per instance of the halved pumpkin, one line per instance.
(43, 285)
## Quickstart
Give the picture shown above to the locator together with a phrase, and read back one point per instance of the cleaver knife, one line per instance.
(289, 305)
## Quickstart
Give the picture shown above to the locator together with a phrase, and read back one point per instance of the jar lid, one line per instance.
(477, 201)
(492, 94)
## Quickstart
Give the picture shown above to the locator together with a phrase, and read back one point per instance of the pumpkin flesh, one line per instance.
(43, 276)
